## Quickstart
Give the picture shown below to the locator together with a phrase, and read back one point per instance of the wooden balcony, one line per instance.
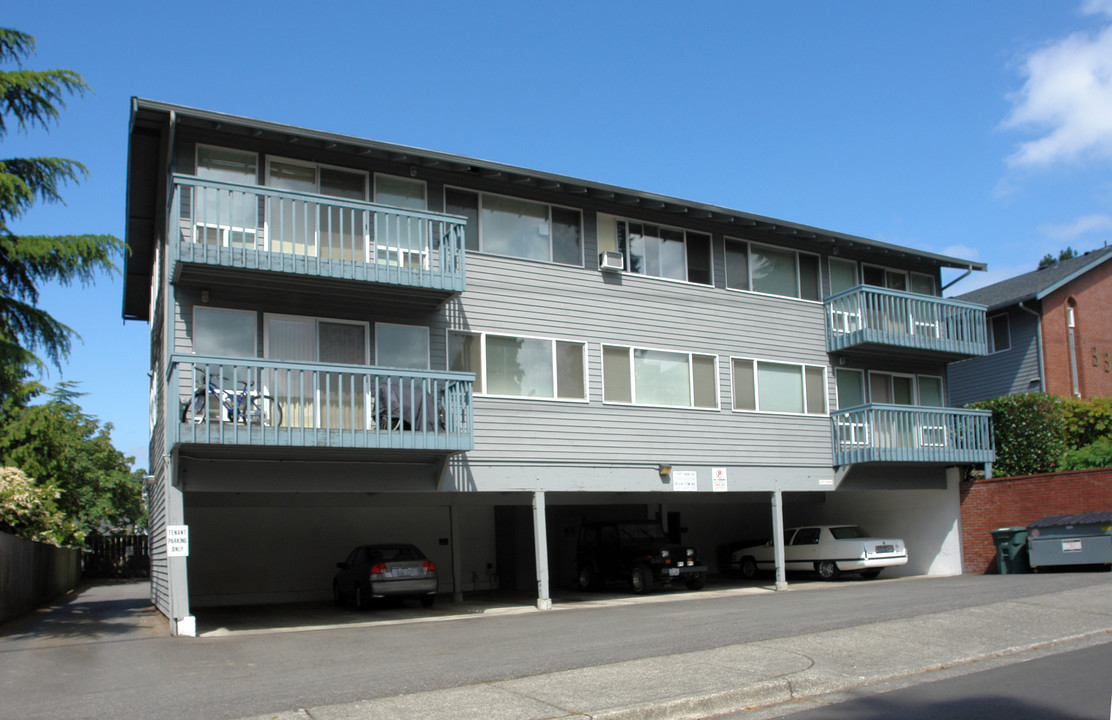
(275, 404)
(253, 228)
(911, 434)
(878, 321)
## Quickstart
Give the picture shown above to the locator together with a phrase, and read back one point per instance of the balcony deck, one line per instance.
(247, 227)
(876, 320)
(276, 404)
(911, 434)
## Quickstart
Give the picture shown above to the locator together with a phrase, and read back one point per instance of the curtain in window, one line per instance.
(780, 387)
(661, 378)
(519, 366)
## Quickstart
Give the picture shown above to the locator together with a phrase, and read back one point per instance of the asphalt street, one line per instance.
(104, 652)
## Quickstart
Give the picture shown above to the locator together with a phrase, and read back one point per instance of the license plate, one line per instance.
(673, 571)
(885, 549)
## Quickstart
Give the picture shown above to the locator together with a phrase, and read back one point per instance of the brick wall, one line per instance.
(1019, 501)
(1091, 296)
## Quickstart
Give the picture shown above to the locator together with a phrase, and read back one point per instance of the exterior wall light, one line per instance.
(665, 470)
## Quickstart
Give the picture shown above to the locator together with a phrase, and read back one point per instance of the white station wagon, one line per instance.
(829, 550)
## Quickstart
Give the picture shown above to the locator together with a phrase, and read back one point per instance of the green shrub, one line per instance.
(1087, 421)
(1029, 432)
(1096, 454)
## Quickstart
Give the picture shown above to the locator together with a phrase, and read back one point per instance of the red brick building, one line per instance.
(1049, 330)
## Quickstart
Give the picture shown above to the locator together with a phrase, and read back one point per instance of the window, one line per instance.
(843, 275)
(923, 284)
(779, 387)
(884, 277)
(656, 250)
(312, 228)
(400, 240)
(224, 333)
(851, 387)
(659, 377)
(1000, 334)
(222, 216)
(518, 228)
(775, 271)
(930, 391)
(519, 366)
(402, 346)
(897, 389)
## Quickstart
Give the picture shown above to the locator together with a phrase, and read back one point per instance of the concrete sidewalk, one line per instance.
(734, 678)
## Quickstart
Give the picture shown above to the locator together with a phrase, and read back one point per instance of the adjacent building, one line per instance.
(354, 341)
(1049, 330)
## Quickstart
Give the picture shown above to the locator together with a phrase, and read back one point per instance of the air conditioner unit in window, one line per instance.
(611, 260)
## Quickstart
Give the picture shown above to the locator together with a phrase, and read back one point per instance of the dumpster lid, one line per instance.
(1013, 529)
(1089, 518)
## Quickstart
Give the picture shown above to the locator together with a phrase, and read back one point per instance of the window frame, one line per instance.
(317, 320)
(479, 222)
(317, 166)
(992, 349)
(690, 376)
(798, 275)
(754, 361)
(864, 386)
(481, 375)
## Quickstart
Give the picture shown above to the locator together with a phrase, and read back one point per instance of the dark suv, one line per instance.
(637, 552)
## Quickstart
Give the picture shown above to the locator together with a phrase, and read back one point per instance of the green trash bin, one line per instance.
(1011, 550)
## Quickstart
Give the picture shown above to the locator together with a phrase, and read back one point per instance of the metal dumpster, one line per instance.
(1011, 549)
(1077, 539)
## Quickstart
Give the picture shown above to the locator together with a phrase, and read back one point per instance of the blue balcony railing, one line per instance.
(222, 401)
(908, 433)
(872, 316)
(260, 228)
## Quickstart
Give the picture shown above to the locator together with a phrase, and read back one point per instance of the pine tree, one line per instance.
(32, 99)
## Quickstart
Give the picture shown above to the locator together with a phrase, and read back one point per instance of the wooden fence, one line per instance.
(108, 556)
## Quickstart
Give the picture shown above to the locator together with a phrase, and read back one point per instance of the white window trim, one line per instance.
(690, 376)
(555, 380)
(626, 258)
(549, 261)
(803, 387)
(193, 328)
(992, 335)
(428, 344)
(316, 322)
(749, 266)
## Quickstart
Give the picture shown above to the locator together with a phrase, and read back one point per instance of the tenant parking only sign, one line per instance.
(177, 540)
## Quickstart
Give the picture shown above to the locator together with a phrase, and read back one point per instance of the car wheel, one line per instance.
(870, 574)
(360, 599)
(697, 581)
(587, 579)
(641, 578)
(748, 568)
(427, 600)
(337, 596)
(827, 569)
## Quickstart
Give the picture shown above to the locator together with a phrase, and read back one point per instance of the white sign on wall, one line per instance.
(177, 540)
(718, 479)
(685, 481)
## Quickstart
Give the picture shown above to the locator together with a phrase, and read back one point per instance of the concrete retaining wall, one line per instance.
(1019, 501)
(32, 574)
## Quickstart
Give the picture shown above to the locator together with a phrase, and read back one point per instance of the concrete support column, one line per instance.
(181, 622)
(540, 543)
(457, 569)
(778, 539)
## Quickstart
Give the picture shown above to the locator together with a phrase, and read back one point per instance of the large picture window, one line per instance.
(224, 333)
(514, 227)
(659, 377)
(513, 366)
(779, 387)
(771, 270)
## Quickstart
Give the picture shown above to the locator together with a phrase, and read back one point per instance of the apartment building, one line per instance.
(354, 341)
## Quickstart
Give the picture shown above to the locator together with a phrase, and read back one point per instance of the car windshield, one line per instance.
(641, 531)
(848, 532)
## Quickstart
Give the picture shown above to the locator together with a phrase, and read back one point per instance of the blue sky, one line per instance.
(981, 130)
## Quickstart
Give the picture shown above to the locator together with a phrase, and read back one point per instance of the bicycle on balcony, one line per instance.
(244, 404)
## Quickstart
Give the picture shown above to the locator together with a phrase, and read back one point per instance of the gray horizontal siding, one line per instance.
(1007, 372)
